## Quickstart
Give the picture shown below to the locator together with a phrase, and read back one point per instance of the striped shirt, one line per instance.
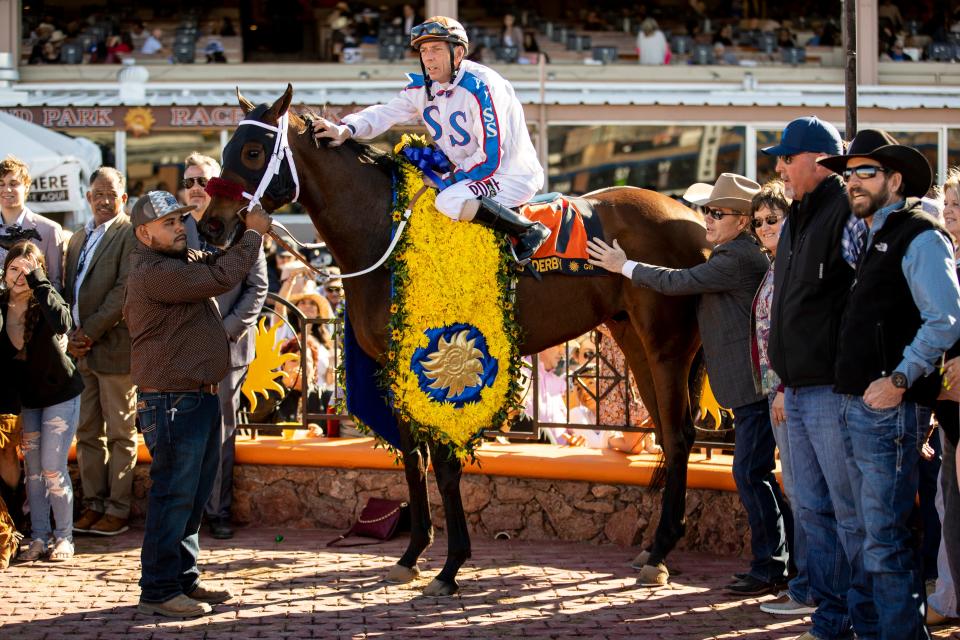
(177, 338)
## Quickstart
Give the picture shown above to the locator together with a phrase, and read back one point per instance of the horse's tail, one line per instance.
(695, 378)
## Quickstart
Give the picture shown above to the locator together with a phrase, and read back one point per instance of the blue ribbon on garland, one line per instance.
(430, 160)
(469, 394)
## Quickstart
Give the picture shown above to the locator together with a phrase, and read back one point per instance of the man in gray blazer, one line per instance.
(240, 307)
(14, 187)
(727, 283)
(96, 278)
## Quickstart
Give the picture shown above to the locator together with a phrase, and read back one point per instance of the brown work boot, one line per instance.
(87, 519)
(204, 593)
(109, 525)
(179, 606)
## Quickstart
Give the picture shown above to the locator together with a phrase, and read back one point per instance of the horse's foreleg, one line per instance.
(448, 470)
(415, 459)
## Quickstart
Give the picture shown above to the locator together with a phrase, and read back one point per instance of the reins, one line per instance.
(281, 151)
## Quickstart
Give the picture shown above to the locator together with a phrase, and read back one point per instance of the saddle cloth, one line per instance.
(572, 222)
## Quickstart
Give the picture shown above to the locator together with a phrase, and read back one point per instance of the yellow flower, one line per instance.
(394, 308)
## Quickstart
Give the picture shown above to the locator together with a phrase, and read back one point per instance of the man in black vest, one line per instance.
(901, 316)
(811, 283)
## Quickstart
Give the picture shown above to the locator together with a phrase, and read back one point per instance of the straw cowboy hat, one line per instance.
(884, 148)
(731, 191)
(311, 294)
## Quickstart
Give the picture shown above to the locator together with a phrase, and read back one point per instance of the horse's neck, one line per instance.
(348, 202)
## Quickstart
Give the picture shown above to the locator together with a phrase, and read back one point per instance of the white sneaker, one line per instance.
(785, 605)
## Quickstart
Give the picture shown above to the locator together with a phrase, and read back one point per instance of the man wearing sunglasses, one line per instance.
(901, 316)
(239, 308)
(811, 283)
(476, 120)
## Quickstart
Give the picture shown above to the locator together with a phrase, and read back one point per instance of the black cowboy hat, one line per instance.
(884, 148)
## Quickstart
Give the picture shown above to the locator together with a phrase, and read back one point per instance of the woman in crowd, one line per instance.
(511, 35)
(768, 210)
(942, 603)
(726, 284)
(35, 318)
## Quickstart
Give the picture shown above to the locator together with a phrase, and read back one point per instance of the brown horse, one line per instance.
(348, 193)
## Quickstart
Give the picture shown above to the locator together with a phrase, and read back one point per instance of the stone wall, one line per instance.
(310, 497)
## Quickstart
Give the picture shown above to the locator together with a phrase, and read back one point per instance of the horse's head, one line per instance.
(246, 160)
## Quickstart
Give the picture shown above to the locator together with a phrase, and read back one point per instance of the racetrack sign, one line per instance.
(56, 190)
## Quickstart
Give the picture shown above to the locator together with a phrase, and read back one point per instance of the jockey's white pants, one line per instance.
(509, 191)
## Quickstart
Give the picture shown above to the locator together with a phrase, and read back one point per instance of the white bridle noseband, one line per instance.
(281, 150)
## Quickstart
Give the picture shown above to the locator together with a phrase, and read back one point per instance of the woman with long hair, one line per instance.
(35, 318)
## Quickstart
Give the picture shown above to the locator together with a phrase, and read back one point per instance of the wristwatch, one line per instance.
(899, 380)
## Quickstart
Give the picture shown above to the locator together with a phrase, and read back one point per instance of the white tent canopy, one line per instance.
(60, 166)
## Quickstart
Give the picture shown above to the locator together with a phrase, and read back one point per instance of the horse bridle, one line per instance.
(282, 151)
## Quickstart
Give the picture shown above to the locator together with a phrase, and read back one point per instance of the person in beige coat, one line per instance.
(96, 273)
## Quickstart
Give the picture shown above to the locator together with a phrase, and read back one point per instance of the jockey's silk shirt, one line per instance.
(476, 120)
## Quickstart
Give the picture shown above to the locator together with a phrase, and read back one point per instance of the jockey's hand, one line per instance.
(603, 255)
(336, 134)
(258, 220)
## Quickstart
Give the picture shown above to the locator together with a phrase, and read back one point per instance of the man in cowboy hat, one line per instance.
(475, 118)
(901, 316)
(811, 283)
(727, 283)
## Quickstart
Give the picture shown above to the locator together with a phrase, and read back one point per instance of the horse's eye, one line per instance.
(253, 154)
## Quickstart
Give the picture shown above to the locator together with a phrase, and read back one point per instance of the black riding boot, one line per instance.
(530, 235)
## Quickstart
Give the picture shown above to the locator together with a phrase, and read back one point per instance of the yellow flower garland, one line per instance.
(446, 272)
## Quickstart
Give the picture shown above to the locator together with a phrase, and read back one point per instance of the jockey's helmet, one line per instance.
(439, 28)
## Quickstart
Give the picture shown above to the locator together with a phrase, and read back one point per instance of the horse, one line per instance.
(347, 191)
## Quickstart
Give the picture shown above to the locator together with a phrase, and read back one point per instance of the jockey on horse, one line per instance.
(475, 118)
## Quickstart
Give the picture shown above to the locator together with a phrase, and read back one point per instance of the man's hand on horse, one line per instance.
(335, 134)
(258, 220)
(603, 255)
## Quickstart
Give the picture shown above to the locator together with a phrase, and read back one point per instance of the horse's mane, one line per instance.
(367, 154)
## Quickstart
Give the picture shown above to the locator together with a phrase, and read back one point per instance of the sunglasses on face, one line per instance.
(771, 220)
(864, 172)
(334, 289)
(189, 182)
(717, 214)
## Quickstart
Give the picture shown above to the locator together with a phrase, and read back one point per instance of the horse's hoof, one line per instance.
(653, 576)
(439, 588)
(641, 560)
(400, 574)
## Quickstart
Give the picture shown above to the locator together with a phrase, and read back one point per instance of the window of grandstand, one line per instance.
(665, 158)
(953, 147)
(155, 161)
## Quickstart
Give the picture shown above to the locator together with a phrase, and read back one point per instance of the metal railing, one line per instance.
(597, 375)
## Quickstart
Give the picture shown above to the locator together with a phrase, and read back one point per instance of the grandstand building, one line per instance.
(597, 117)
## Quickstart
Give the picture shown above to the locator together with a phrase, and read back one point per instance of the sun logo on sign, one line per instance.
(139, 121)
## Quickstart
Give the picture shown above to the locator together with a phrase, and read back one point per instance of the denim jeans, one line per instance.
(799, 588)
(824, 501)
(885, 472)
(768, 513)
(927, 492)
(46, 439)
(182, 433)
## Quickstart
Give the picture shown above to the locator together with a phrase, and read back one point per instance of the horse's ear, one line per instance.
(245, 104)
(280, 107)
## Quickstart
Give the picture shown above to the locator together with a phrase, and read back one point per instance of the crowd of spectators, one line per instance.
(104, 39)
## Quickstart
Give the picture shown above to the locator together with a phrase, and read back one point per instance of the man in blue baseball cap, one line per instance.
(811, 284)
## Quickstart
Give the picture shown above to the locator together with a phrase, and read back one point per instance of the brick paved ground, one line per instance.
(298, 588)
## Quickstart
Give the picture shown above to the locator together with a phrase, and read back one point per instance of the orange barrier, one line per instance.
(542, 461)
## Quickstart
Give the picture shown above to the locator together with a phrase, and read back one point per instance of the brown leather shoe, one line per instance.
(179, 606)
(109, 525)
(87, 519)
(204, 593)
